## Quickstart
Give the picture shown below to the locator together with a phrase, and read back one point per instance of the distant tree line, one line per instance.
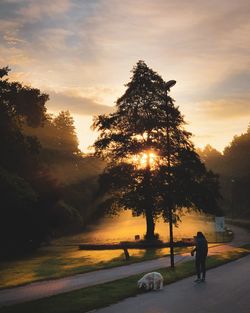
(46, 185)
(233, 166)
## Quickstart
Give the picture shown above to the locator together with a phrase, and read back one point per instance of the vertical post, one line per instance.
(127, 256)
(232, 198)
(171, 241)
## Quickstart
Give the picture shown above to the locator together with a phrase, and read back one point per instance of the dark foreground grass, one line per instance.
(90, 298)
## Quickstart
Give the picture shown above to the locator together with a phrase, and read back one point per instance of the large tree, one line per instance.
(133, 130)
(147, 124)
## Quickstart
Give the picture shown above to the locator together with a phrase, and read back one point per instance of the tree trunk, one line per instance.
(150, 234)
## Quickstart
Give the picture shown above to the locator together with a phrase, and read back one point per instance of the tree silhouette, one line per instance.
(236, 170)
(145, 122)
(65, 134)
(134, 129)
(233, 168)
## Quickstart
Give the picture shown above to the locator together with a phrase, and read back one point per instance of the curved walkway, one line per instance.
(48, 288)
(225, 291)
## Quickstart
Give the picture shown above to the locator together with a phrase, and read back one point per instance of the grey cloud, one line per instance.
(76, 104)
(9, 9)
(233, 86)
(38, 10)
(236, 84)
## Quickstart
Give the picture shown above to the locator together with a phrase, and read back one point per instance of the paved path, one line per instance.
(226, 291)
(48, 288)
(52, 287)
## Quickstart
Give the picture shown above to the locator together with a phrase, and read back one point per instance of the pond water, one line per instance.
(124, 227)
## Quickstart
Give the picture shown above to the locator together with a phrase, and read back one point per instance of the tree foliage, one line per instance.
(31, 205)
(19, 105)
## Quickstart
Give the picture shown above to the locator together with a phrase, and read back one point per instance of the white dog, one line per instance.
(151, 281)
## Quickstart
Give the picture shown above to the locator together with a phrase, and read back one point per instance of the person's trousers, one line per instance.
(200, 263)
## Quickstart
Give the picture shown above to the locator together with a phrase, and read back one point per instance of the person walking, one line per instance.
(200, 250)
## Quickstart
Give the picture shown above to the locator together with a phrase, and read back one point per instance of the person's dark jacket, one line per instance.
(201, 248)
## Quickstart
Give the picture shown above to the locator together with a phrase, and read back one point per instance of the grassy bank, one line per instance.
(61, 261)
(87, 299)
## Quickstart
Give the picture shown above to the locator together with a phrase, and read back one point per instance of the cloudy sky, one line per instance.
(81, 52)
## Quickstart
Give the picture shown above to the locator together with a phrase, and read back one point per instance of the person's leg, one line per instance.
(198, 268)
(203, 268)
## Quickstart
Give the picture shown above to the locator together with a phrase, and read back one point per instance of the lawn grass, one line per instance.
(60, 261)
(91, 298)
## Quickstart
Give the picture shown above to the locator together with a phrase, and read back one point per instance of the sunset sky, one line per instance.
(81, 52)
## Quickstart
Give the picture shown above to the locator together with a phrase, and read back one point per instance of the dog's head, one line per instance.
(142, 286)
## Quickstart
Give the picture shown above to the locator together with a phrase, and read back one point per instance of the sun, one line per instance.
(145, 158)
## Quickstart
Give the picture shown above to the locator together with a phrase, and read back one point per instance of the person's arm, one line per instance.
(206, 248)
(195, 248)
(193, 251)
